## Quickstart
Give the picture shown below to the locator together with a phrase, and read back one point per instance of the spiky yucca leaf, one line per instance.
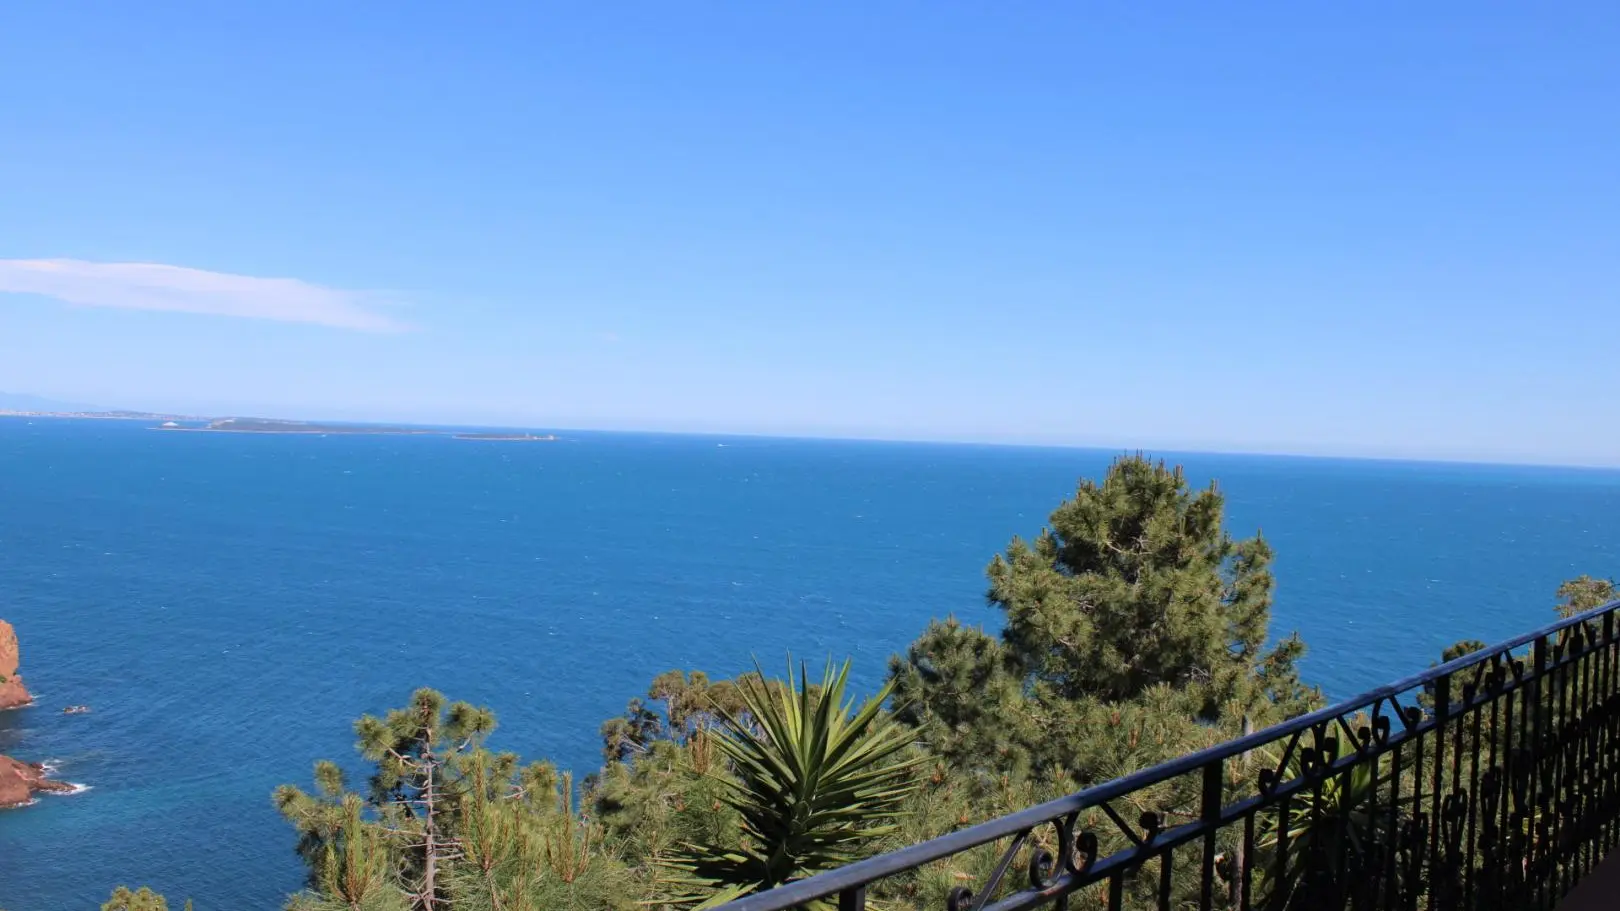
(817, 781)
(1337, 835)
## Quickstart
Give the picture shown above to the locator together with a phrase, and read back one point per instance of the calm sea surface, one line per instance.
(228, 604)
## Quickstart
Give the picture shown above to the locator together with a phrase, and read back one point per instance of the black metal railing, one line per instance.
(1488, 782)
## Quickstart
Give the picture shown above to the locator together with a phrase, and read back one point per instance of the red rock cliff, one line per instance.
(19, 781)
(12, 693)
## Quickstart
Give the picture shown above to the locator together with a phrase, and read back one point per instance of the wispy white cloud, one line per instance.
(153, 286)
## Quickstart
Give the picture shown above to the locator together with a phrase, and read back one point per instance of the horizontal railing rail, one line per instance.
(1489, 781)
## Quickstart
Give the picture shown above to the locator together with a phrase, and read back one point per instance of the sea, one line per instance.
(228, 604)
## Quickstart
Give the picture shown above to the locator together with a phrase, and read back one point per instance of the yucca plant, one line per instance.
(817, 783)
(1337, 835)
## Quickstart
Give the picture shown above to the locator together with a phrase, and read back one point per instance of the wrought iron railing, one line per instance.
(1488, 782)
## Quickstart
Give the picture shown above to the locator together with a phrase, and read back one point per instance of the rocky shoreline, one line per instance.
(13, 695)
(19, 781)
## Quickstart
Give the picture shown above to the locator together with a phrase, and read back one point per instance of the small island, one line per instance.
(509, 437)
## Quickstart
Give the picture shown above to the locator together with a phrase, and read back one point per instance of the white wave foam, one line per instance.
(77, 789)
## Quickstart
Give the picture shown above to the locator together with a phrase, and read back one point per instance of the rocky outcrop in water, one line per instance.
(12, 691)
(20, 781)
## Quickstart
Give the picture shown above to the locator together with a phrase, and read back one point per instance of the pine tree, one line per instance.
(142, 899)
(1136, 583)
(965, 690)
(448, 824)
(413, 748)
(1134, 596)
(678, 707)
(1583, 593)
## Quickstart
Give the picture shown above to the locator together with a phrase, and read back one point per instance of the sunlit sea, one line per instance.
(227, 604)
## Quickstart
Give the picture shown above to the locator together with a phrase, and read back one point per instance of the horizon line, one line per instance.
(1168, 450)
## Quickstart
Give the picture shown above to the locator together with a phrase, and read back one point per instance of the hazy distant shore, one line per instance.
(101, 415)
(189, 424)
(314, 431)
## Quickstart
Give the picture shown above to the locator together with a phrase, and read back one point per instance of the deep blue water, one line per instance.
(229, 603)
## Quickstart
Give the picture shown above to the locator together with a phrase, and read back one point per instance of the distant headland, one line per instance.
(99, 415)
(191, 424)
(267, 425)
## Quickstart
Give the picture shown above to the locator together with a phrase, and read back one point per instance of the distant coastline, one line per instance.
(509, 437)
(100, 415)
(191, 424)
(266, 425)
(311, 431)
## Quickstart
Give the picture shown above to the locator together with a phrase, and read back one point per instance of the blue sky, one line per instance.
(1360, 229)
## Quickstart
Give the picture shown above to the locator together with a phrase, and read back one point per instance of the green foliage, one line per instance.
(1137, 584)
(678, 707)
(664, 781)
(1135, 627)
(1451, 653)
(818, 782)
(670, 795)
(1338, 834)
(1460, 649)
(532, 853)
(1136, 631)
(1353, 816)
(143, 899)
(359, 860)
(964, 692)
(447, 824)
(1583, 593)
(944, 803)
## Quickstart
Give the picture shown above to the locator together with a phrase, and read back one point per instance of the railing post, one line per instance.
(1606, 742)
(1209, 813)
(852, 899)
(1437, 797)
(1536, 842)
